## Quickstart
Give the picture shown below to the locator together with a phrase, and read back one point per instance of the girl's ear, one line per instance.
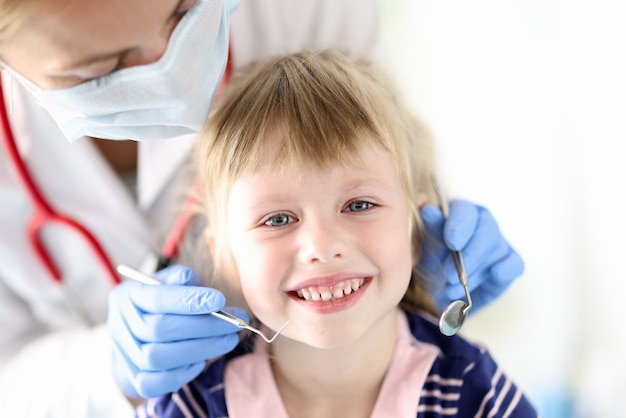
(209, 236)
(421, 199)
(417, 252)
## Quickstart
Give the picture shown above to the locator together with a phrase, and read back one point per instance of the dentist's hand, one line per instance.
(491, 263)
(162, 335)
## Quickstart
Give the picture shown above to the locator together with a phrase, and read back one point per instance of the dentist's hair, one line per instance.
(326, 109)
(13, 14)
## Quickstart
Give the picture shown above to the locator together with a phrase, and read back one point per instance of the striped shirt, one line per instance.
(463, 380)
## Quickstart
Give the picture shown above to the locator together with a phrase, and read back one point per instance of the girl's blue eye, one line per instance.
(359, 206)
(281, 219)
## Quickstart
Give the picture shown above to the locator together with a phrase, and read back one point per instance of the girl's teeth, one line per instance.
(326, 294)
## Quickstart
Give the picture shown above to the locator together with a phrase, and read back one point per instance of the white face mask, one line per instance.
(168, 98)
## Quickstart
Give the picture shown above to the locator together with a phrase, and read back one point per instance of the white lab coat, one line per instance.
(50, 364)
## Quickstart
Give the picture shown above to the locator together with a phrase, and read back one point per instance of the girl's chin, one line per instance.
(323, 337)
(315, 343)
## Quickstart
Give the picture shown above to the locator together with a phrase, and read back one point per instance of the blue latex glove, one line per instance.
(491, 263)
(163, 334)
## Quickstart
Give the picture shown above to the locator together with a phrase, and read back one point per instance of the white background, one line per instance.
(527, 100)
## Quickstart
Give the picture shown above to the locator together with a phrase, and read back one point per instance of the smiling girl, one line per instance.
(313, 175)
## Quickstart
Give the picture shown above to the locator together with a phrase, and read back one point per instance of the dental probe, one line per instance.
(136, 275)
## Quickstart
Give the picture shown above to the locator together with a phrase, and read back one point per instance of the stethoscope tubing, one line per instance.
(43, 213)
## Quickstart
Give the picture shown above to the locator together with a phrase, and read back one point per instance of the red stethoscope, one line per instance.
(44, 214)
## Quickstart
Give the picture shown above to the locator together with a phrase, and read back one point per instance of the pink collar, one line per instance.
(250, 388)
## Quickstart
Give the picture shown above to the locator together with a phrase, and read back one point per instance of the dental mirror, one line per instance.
(455, 313)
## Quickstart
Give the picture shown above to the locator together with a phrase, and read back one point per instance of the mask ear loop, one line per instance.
(2, 67)
(11, 95)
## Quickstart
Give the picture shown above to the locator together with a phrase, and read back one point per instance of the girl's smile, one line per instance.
(331, 294)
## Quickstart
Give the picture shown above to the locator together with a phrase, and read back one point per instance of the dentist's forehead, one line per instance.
(59, 34)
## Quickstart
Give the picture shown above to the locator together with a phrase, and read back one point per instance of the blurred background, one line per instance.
(527, 100)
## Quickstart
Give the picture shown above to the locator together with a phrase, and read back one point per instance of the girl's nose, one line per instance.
(322, 244)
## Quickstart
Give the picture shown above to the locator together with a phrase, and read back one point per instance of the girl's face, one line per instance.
(327, 250)
(68, 42)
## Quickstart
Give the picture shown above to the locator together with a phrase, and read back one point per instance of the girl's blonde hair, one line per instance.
(327, 109)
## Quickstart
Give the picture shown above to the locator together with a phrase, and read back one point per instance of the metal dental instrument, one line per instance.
(138, 276)
(455, 313)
